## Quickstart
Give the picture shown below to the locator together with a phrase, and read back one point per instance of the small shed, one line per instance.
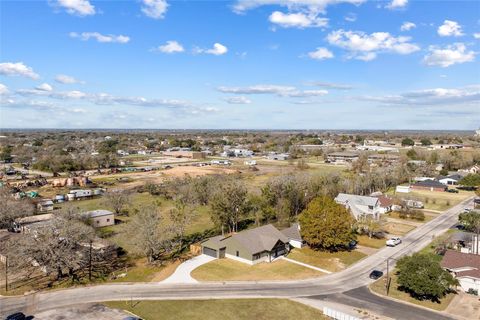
(100, 218)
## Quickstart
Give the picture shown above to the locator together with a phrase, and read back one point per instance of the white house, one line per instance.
(473, 169)
(360, 205)
(451, 180)
(465, 267)
(100, 218)
(402, 189)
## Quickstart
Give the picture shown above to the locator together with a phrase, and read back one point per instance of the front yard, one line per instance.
(397, 228)
(331, 261)
(364, 240)
(238, 309)
(379, 288)
(231, 270)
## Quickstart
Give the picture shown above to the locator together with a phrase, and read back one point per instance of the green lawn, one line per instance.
(438, 240)
(379, 287)
(234, 309)
(331, 261)
(230, 270)
(364, 240)
(440, 201)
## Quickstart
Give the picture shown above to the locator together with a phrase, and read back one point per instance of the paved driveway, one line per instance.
(182, 274)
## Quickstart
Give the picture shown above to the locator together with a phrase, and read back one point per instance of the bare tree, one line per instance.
(12, 209)
(118, 200)
(59, 247)
(149, 234)
(181, 216)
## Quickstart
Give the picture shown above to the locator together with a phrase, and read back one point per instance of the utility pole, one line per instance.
(6, 273)
(90, 263)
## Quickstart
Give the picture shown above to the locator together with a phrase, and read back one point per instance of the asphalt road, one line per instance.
(363, 299)
(356, 276)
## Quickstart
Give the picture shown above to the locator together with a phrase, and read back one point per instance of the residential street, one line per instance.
(342, 286)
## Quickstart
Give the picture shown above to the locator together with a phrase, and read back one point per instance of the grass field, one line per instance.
(234, 309)
(379, 287)
(364, 240)
(397, 228)
(331, 261)
(440, 201)
(143, 272)
(396, 215)
(230, 270)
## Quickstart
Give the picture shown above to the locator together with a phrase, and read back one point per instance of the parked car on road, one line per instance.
(16, 316)
(392, 242)
(375, 274)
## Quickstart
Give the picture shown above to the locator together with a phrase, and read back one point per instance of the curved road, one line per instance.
(349, 279)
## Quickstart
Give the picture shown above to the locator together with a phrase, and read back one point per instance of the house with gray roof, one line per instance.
(262, 244)
(294, 236)
(360, 205)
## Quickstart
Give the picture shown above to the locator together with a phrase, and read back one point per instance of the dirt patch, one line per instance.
(466, 306)
(139, 178)
(166, 272)
(83, 312)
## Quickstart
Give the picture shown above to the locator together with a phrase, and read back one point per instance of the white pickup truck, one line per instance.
(392, 242)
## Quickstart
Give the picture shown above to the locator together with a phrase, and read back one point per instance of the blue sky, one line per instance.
(255, 64)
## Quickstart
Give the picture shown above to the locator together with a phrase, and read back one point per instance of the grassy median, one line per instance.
(238, 309)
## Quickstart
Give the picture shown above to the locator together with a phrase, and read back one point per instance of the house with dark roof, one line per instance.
(262, 244)
(429, 185)
(465, 267)
(451, 180)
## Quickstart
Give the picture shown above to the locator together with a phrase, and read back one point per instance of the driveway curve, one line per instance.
(182, 273)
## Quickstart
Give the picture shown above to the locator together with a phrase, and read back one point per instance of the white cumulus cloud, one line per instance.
(450, 28)
(450, 55)
(217, 50)
(278, 90)
(321, 54)
(407, 26)
(44, 87)
(62, 78)
(109, 38)
(365, 46)
(397, 4)
(170, 47)
(155, 9)
(297, 20)
(17, 69)
(318, 6)
(3, 89)
(476, 35)
(77, 7)
(238, 100)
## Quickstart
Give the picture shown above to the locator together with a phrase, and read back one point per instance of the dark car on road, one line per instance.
(375, 274)
(16, 316)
